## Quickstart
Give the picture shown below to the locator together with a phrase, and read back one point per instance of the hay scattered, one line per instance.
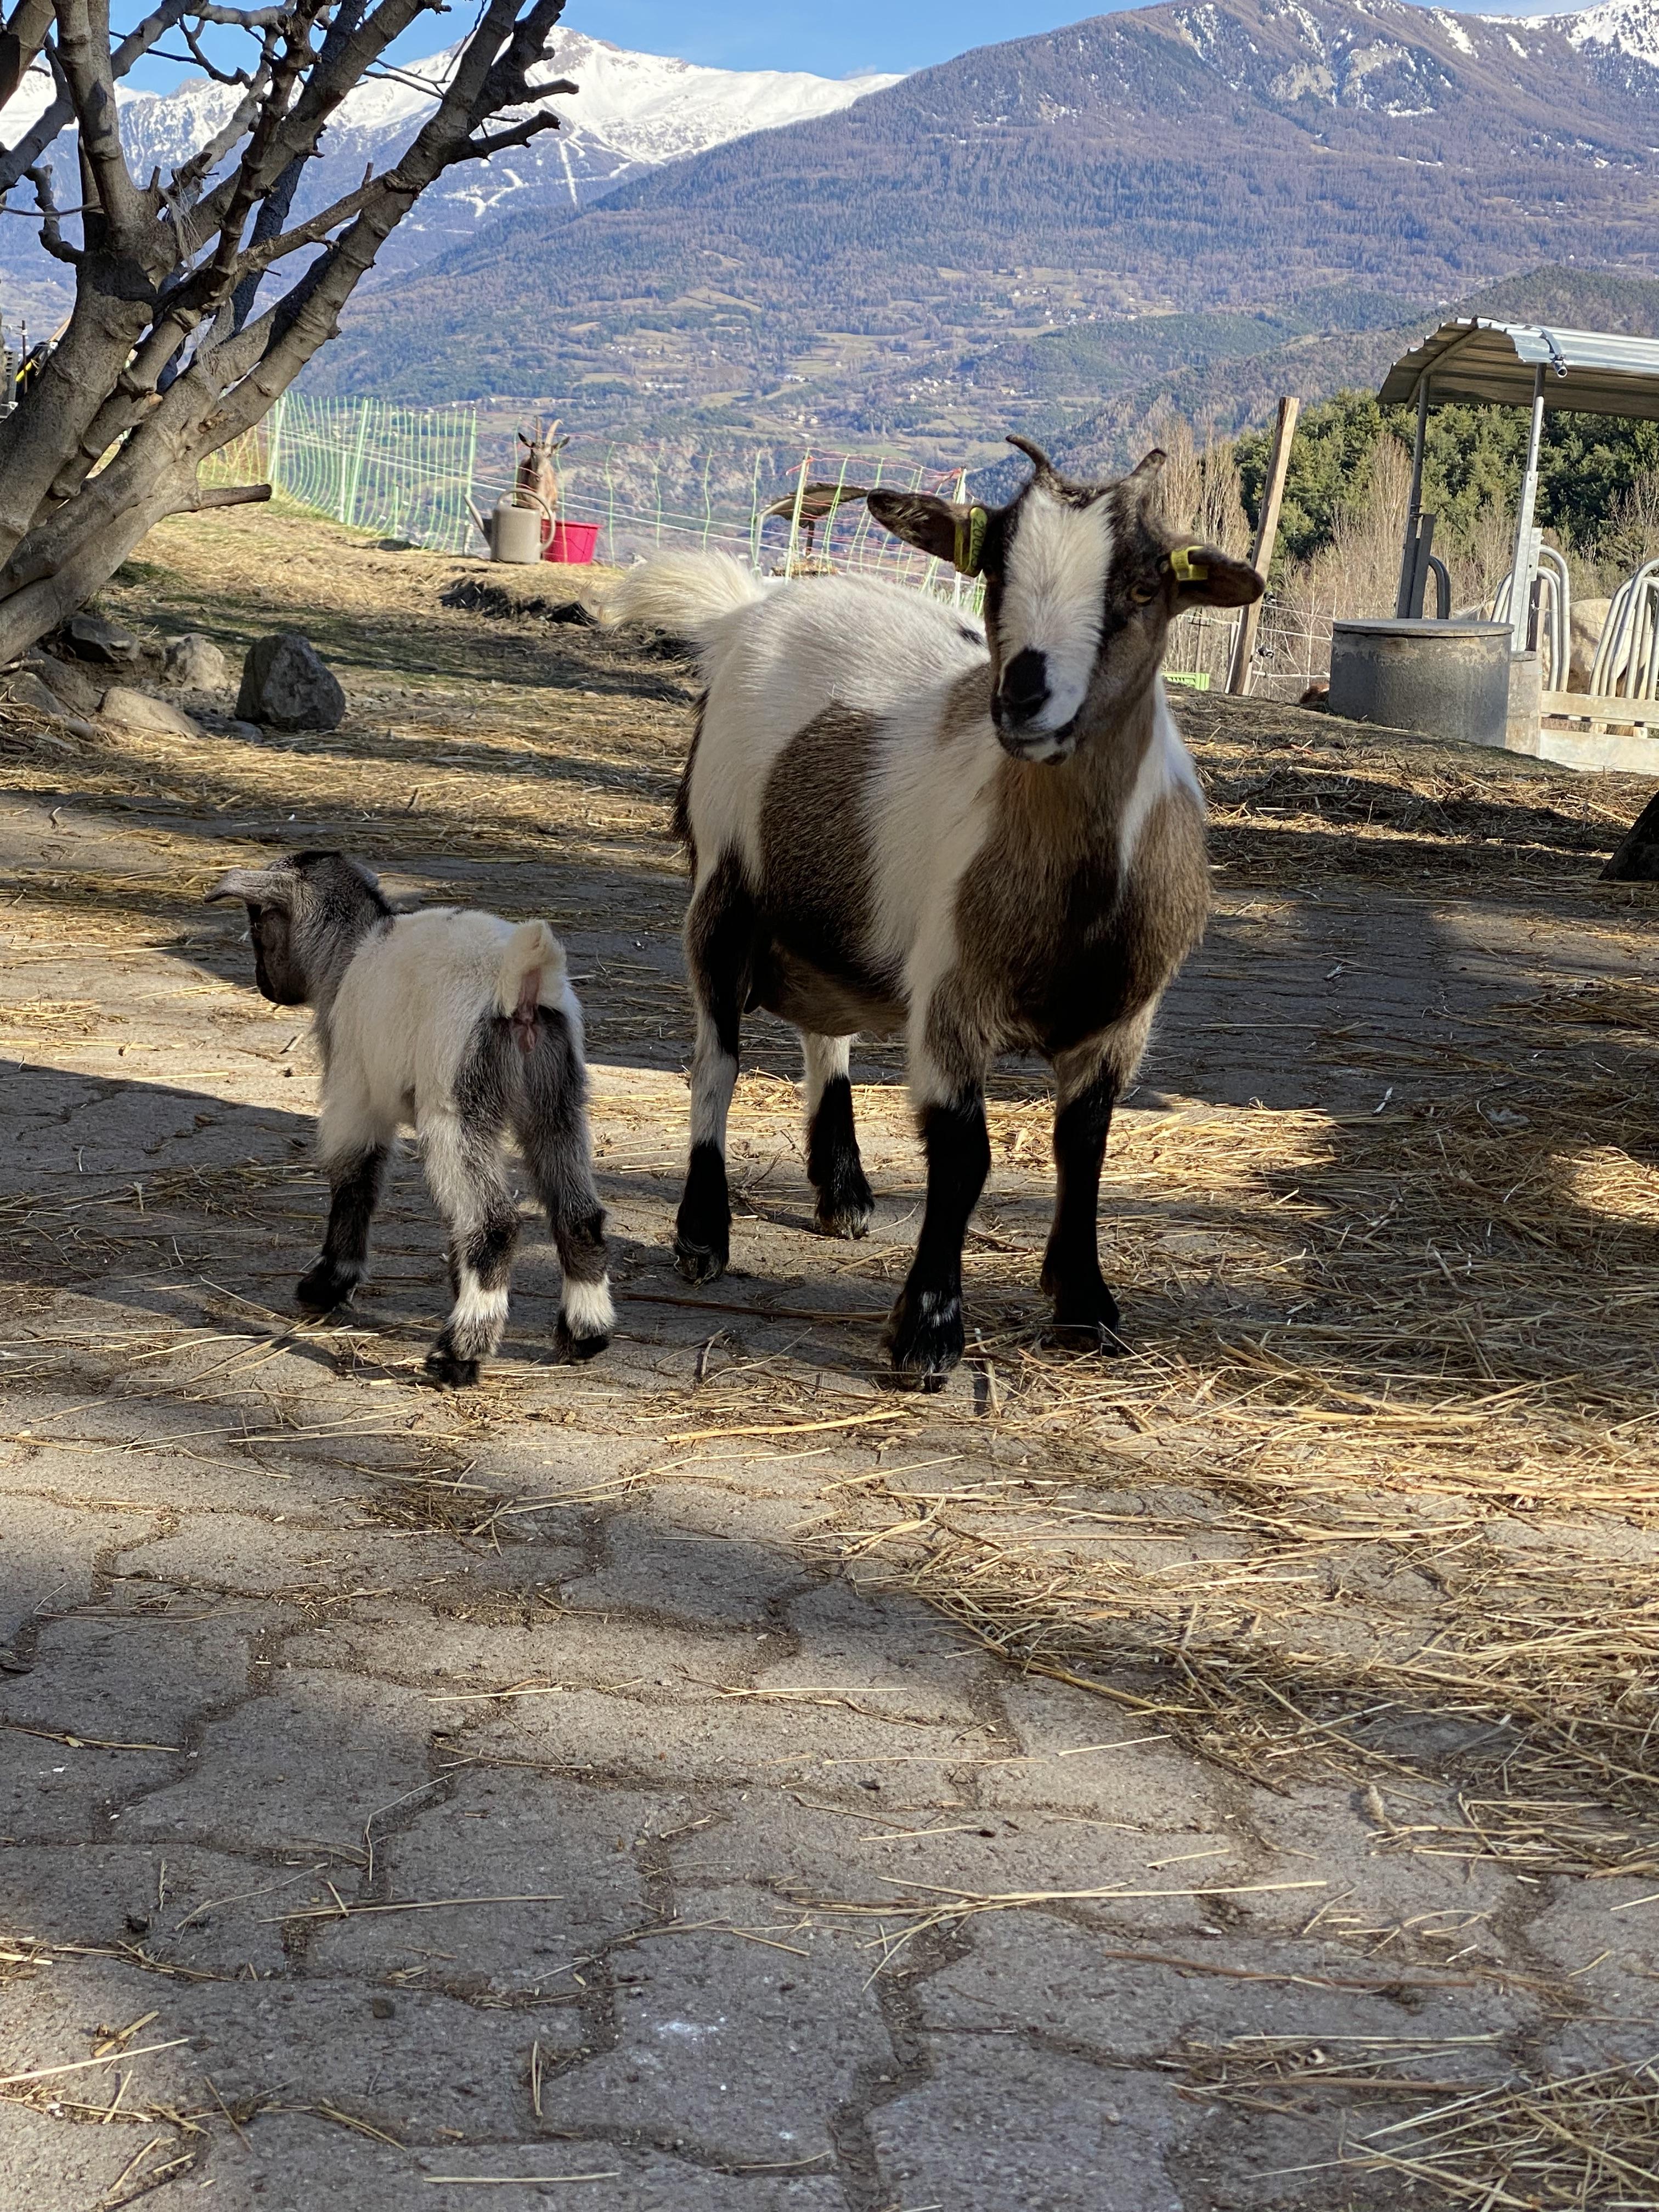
(1571, 2141)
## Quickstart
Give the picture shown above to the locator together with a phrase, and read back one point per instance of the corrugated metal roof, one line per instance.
(1595, 372)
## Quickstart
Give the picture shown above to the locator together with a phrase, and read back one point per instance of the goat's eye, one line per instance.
(1143, 594)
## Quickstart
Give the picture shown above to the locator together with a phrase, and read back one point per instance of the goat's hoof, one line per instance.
(1097, 1336)
(579, 1347)
(924, 1338)
(699, 1263)
(846, 1204)
(450, 1369)
(325, 1287)
(1086, 1319)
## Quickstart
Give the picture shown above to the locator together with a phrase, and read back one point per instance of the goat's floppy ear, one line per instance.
(943, 527)
(1206, 577)
(254, 886)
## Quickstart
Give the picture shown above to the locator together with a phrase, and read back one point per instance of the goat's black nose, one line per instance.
(1023, 690)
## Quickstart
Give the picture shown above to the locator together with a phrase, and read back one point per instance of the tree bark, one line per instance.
(164, 359)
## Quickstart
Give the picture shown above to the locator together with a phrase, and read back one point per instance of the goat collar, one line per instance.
(970, 541)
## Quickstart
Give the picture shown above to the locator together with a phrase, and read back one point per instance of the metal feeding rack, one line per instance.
(1536, 366)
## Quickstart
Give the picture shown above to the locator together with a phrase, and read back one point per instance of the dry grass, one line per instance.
(1563, 2144)
(1574, 2142)
(1342, 1508)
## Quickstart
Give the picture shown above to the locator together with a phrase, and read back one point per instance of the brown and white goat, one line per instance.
(995, 841)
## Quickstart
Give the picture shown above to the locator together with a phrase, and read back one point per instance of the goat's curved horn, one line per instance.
(1044, 466)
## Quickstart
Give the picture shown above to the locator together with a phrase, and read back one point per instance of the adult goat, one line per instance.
(994, 840)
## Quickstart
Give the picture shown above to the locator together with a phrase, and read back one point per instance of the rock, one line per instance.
(286, 686)
(23, 687)
(195, 662)
(136, 710)
(89, 637)
(79, 690)
(1636, 860)
(1589, 619)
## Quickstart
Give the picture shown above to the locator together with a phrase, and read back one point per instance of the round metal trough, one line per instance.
(1445, 679)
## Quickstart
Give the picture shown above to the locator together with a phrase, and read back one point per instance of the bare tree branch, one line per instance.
(233, 495)
(83, 51)
(20, 39)
(519, 134)
(164, 359)
(52, 236)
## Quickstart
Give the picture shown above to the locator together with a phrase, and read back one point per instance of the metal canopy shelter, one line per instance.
(1515, 365)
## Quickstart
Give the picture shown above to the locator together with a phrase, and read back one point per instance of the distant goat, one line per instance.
(536, 475)
(993, 841)
(464, 1026)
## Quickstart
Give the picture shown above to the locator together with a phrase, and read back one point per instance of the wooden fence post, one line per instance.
(1266, 534)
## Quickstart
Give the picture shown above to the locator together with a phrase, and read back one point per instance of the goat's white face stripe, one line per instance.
(1054, 597)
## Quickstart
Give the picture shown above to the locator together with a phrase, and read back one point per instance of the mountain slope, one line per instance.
(1233, 394)
(633, 113)
(1196, 156)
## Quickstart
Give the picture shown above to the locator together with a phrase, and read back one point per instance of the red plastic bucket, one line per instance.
(572, 543)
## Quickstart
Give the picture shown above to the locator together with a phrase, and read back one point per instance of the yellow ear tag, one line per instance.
(970, 540)
(1186, 570)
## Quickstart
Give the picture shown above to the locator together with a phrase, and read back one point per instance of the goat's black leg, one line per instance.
(355, 1179)
(461, 1154)
(720, 934)
(551, 1126)
(844, 1200)
(925, 1333)
(1084, 1307)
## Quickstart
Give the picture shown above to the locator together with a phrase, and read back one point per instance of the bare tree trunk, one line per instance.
(164, 360)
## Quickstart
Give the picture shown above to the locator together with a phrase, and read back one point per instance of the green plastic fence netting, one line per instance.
(403, 472)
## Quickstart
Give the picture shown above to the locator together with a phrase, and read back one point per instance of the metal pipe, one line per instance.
(1403, 606)
(1521, 572)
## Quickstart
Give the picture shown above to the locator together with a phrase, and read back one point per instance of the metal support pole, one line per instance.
(1521, 574)
(1402, 605)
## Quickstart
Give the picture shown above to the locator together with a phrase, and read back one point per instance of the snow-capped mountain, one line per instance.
(1007, 229)
(1630, 28)
(633, 112)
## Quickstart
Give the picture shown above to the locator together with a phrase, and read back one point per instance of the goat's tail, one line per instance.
(688, 595)
(531, 973)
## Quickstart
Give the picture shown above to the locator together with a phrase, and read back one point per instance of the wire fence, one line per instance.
(418, 474)
(780, 513)
(405, 472)
(1292, 647)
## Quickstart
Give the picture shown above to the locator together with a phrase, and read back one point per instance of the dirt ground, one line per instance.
(1214, 1780)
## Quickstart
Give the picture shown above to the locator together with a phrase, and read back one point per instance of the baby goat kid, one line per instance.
(995, 842)
(464, 1026)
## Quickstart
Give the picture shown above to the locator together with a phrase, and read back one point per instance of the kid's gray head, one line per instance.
(306, 914)
(1081, 582)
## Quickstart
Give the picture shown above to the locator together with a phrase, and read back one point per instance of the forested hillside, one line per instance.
(1001, 228)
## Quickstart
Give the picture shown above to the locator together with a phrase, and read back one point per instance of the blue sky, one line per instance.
(839, 41)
